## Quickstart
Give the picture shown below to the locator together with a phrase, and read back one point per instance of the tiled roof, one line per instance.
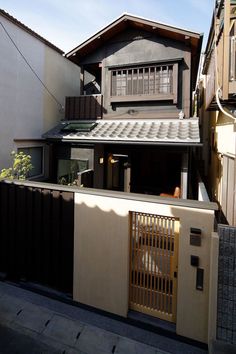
(164, 131)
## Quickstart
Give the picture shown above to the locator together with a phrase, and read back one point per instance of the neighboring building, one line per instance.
(28, 108)
(131, 121)
(217, 98)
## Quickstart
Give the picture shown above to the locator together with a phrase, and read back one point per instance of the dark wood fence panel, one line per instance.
(84, 107)
(37, 235)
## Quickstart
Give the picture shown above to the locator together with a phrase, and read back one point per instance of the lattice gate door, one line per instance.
(153, 264)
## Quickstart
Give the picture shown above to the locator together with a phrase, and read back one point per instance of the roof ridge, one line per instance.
(127, 16)
(159, 22)
(30, 31)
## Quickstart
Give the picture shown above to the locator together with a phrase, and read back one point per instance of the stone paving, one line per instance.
(30, 324)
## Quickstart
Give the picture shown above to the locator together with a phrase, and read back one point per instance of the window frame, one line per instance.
(32, 146)
(69, 171)
(156, 96)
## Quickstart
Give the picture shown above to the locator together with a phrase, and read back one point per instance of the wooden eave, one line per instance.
(125, 21)
(213, 106)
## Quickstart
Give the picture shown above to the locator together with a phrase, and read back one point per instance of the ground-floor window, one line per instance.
(68, 170)
(72, 162)
(37, 158)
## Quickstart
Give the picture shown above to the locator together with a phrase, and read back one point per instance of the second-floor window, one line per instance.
(154, 82)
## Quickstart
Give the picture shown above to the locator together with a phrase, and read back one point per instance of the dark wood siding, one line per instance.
(36, 235)
(132, 49)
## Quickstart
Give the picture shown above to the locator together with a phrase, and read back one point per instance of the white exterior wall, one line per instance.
(223, 164)
(26, 108)
(226, 134)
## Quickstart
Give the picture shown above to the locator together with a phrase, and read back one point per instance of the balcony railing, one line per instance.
(84, 107)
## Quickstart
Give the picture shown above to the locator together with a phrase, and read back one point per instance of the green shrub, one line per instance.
(21, 166)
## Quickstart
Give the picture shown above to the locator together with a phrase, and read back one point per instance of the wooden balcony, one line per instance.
(84, 107)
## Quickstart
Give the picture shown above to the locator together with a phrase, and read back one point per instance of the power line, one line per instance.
(31, 68)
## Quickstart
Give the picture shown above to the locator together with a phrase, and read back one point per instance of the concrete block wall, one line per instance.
(226, 306)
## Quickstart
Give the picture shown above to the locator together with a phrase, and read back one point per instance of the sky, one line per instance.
(67, 23)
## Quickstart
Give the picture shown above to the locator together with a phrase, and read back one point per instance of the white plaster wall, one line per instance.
(226, 139)
(26, 109)
(63, 77)
(225, 129)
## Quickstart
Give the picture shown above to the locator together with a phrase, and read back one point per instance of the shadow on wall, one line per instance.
(101, 257)
(194, 277)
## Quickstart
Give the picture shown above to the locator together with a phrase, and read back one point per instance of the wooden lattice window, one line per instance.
(156, 82)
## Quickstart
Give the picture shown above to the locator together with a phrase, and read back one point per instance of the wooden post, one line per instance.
(184, 176)
(175, 83)
(127, 178)
(225, 91)
(186, 90)
(82, 81)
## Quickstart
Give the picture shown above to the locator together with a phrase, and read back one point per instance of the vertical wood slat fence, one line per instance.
(36, 235)
(84, 107)
(153, 264)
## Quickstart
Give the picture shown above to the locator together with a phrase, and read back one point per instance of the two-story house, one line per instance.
(35, 77)
(217, 102)
(131, 123)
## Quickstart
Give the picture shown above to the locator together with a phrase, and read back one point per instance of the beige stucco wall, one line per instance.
(192, 304)
(101, 254)
(225, 133)
(27, 110)
(224, 144)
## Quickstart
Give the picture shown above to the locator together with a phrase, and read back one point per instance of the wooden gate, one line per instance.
(153, 264)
